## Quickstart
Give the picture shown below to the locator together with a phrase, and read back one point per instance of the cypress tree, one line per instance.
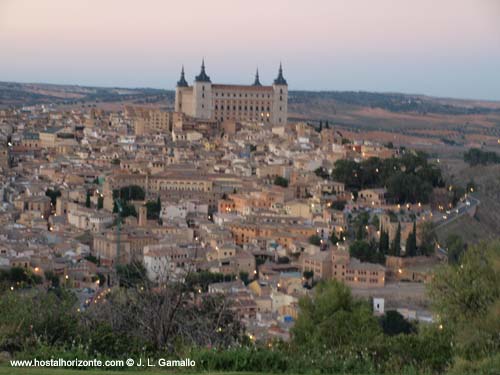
(87, 201)
(411, 242)
(396, 243)
(383, 245)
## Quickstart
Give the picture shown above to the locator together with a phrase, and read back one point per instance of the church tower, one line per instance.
(280, 96)
(181, 84)
(202, 94)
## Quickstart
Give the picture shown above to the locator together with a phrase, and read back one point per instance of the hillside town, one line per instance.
(259, 208)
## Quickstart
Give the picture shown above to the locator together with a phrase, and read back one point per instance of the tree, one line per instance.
(348, 172)
(395, 249)
(131, 275)
(321, 172)
(51, 277)
(467, 298)
(393, 323)
(455, 246)
(244, 277)
(101, 278)
(360, 232)
(308, 275)
(333, 319)
(87, 200)
(384, 241)
(18, 275)
(360, 250)
(153, 209)
(45, 315)
(471, 186)
(167, 319)
(339, 205)
(100, 203)
(315, 240)
(375, 221)
(411, 242)
(360, 223)
(281, 181)
(53, 194)
(476, 156)
(131, 192)
(366, 252)
(334, 239)
(427, 238)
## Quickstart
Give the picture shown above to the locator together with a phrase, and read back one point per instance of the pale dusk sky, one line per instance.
(436, 47)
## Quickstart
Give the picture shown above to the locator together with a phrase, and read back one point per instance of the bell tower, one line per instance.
(181, 83)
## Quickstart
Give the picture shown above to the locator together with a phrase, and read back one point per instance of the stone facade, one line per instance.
(217, 102)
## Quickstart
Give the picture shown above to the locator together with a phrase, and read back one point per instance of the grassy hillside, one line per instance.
(486, 222)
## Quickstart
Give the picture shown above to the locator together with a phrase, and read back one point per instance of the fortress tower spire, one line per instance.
(280, 80)
(182, 81)
(202, 77)
(257, 81)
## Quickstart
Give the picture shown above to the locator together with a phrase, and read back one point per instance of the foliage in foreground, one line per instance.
(467, 297)
(334, 333)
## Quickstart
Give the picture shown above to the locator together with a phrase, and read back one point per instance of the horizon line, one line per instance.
(290, 90)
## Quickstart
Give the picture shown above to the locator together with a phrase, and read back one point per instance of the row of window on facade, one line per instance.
(361, 279)
(245, 108)
(246, 95)
(247, 118)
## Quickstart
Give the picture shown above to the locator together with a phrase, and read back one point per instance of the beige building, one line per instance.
(337, 264)
(129, 243)
(374, 197)
(320, 263)
(354, 272)
(146, 120)
(217, 102)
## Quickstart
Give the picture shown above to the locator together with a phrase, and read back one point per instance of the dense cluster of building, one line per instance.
(235, 190)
